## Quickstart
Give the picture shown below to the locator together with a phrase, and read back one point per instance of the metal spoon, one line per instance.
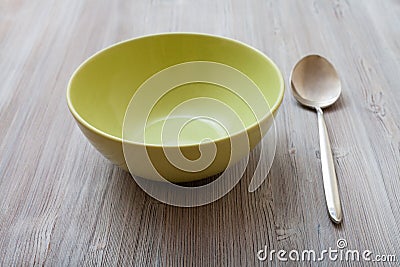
(315, 84)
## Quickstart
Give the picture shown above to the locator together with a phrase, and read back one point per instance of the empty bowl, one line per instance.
(175, 106)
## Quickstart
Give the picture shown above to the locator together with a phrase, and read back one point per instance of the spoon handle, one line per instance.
(328, 171)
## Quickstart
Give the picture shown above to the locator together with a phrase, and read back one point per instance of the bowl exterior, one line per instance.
(151, 163)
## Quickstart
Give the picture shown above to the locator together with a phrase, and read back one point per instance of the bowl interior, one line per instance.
(102, 87)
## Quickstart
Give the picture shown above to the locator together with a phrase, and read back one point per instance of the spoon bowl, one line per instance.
(315, 82)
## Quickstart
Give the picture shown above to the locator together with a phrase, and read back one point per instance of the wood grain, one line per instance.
(62, 203)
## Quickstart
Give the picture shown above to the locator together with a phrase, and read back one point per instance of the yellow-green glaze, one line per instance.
(100, 90)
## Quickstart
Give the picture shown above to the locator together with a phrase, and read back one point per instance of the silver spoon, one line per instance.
(315, 84)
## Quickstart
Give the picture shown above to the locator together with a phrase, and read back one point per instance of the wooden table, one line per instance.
(62, 203)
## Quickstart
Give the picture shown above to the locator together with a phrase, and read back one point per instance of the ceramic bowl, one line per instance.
(145, 102)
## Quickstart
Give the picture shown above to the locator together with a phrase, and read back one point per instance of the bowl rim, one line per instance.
(86, 124)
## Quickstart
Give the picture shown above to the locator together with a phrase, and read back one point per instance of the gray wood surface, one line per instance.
(62, 203)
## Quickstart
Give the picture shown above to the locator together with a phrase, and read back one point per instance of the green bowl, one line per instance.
(193, 94)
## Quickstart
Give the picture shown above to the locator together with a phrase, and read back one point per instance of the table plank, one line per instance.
(62, 203)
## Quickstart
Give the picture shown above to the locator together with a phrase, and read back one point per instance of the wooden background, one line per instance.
(62, 203)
